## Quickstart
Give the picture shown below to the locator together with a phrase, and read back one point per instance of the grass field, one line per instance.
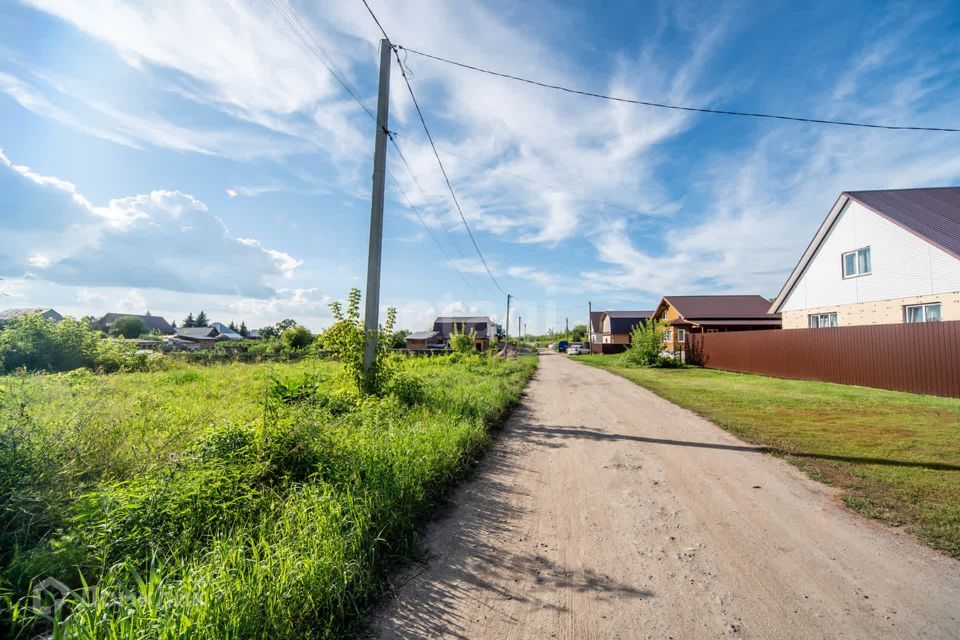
(234, 501)
(896, 456)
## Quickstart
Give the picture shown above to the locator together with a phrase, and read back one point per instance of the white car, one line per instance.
(576, 350)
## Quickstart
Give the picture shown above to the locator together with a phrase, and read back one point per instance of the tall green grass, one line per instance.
(242, 501)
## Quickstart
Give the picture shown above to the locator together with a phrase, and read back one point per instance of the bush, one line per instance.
(462, 342)
(33, 342)
(646, 341)
(346, 342)
(128, 327)
(296, 338)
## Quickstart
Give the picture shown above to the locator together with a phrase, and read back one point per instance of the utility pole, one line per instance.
(567, 320)
(519, 331)
(506, 348)
(590, 325)
(371, 323)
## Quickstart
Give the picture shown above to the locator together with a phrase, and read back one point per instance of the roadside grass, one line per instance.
(895, 456)
(234, 501)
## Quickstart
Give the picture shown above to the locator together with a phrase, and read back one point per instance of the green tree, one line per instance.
(128, 327)
(243, 329)
(646, 342)
(296, 338)
(201, 319)
(345, 341)
(287, 323)
(232, 326)
(36, 343)
(462, 341)
(579, 333)
(189, 321)
(399, 339)
(268, 332)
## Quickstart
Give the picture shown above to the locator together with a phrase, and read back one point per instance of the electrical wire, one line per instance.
(303, 32)
(436, 154)
(662, 105)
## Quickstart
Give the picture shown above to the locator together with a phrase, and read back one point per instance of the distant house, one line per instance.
(253, 334)
(9, 314)
(712, 314)
(425, 341)
(226, 331)
(200, 336)
(615, 326)
(596, 321)
(879, 257)
(484, 327)
(152, 323)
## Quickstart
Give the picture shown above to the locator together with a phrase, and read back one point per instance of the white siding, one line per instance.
(903, 264)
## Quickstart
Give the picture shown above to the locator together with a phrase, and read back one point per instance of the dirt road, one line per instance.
(605, 512)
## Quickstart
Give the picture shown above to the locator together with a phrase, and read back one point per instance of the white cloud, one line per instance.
(164, 239)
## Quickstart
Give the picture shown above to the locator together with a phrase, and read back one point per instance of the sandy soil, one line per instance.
(604, 511)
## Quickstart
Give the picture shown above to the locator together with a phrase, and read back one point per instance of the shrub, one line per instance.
(463, 342)
(346, 341)
(128, 327)
(33, 342)
(646, 341)
(296, 338)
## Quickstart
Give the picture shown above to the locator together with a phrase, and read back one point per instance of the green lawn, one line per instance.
(228, 501)
(896, 456)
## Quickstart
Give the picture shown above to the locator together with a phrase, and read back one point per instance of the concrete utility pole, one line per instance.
(519, 331)
(371, 321)
(567, 320)
(590, 325)
(506, 348)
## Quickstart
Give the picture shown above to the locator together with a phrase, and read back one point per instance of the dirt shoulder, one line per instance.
(603, 511)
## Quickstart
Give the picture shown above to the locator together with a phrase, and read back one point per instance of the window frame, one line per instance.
(856, 262)
(829, 315)
(923, 307)
(681, 335)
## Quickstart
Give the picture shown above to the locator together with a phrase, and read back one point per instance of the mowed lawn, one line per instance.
(896, 456)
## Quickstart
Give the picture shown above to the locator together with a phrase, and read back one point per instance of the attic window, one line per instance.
(856, 263)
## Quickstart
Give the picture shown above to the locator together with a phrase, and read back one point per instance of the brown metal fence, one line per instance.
(920, 358)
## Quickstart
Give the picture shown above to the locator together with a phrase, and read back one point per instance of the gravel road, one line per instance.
(603, 511)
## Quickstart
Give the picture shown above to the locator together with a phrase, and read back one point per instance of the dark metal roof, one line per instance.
(721, 307)
(625, 321)
(595, 321)
(151, 322)
(197, 333)
(933, 214)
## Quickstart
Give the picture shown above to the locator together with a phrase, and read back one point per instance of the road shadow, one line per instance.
(551, 435)
(471, 554)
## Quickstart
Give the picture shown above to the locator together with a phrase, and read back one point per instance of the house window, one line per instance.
(821, 320)
(681, 335)
(856, 263)
(667, 335)
(922, 312)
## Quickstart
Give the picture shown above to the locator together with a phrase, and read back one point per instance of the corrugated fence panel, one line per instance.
(920, 358)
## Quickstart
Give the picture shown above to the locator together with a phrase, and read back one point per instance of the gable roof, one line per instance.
(724, 307)
(464, 319)
(595, 324)
(151, 322)
(10, 314)
(932, 214)
(422, 335)
(197, 333)
(625, 321)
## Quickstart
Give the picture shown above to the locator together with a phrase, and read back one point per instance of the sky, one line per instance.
(183, 156)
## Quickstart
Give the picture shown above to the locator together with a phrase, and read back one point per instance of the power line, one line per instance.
(579, 196)
(661, 105)
(436, 154)
(303, 32)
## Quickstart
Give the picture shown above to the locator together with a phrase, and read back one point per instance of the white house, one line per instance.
(880, 257)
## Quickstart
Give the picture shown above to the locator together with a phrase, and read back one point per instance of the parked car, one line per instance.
(562, 346)
(576, 350)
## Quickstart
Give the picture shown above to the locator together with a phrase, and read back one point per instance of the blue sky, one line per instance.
(187, 155)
